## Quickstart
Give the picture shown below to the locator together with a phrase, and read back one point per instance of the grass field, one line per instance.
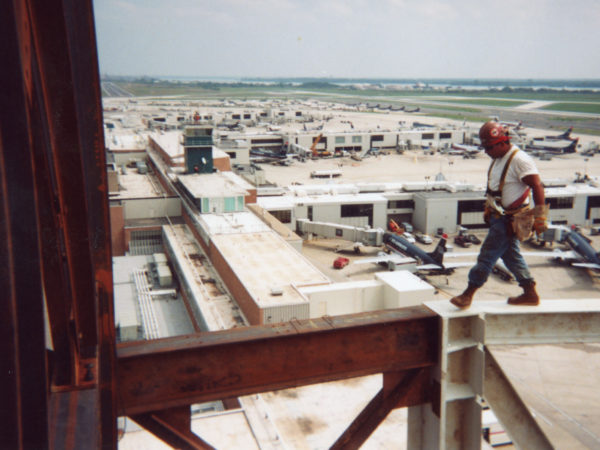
(223, 89)
(483, 101)
(590, 108)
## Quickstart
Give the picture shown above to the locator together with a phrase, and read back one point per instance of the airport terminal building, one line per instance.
(430, 207)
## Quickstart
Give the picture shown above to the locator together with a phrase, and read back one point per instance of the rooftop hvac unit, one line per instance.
(165, 278)
(276, 290)
(160, 258)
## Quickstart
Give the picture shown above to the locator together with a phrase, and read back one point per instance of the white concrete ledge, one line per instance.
(484, 307)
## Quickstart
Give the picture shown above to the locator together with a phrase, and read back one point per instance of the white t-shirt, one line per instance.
(521, 165)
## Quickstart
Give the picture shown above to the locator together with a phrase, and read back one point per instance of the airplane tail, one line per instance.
(567, 134)
(438, 253)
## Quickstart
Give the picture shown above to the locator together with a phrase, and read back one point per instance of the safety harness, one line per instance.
(494, 197)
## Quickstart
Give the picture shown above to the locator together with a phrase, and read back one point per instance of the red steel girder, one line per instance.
(23, 369)
(53, 39)
(74, 420)
(54, 226)
(172, 426)
(165, 373)
(405, 389)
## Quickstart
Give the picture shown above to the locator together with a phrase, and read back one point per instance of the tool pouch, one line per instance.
(522, 223)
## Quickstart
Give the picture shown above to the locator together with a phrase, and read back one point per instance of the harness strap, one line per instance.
(519, 202)
(504, 171)
(498, 193)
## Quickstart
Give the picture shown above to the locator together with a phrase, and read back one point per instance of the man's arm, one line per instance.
(540, 210)
(535, 183)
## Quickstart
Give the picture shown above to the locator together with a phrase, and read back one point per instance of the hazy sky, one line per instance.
(350, 38)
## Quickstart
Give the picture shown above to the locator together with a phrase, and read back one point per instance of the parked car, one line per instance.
(340, 262)
(462, 241)
(423, 238)
(409, 237)
(473, 239)
(407, 227)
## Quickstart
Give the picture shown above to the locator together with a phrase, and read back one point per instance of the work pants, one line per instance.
(498, 244)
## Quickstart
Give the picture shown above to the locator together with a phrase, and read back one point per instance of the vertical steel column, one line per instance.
(54, 227)
(23, 372)
(52, 42)
(81, 35)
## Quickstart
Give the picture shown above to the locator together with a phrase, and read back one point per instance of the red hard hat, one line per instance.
(492, 133)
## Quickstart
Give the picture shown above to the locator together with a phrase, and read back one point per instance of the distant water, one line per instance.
(559, 83)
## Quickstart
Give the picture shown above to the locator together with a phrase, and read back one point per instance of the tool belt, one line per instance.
(519, 221)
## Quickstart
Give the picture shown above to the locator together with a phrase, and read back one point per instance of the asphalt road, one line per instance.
(113, 90)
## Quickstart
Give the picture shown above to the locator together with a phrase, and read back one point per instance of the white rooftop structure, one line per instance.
(327, 199)
(268, 267)
(228, 223)
(125, 142)
(132, 184)
(214, 185)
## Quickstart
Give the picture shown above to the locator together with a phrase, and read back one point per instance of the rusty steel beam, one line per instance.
(64, 39)
(177, 371)
(173, 426)
(54, 228)
(23, 369)
(81, 33)
(396, 393)
(53, 41)
(73, 420)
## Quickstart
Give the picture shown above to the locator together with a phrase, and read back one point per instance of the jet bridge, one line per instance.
(366, 236)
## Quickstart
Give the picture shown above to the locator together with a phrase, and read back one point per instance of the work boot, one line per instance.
(529, 297)
(464, 300)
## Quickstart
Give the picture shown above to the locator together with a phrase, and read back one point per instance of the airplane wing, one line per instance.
(429, 267)
(446, 266)
(459, 254)
(569, 254)
(587, 265)
(385, 258)
(399, 260)
(458, 264)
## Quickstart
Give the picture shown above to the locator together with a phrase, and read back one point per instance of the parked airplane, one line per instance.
(513, 125)
(561, 143)
(582, 254)
(463, 149)
(266, 156)
(231, 126)
(558, 146)
(565, 135)
(403, 252)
